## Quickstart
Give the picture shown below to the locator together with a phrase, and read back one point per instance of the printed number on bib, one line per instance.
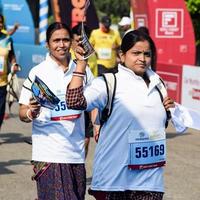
(146, 150)
(1, 64)
(104, 53)
(62, 113)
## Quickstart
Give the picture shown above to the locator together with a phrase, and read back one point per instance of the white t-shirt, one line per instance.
(55, 141)
(136, 108)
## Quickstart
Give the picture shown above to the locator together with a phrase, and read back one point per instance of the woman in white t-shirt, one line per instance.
(131, 149)
(58, 134)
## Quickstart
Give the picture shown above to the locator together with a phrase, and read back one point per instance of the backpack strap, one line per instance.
(110, 81)
(161, 88)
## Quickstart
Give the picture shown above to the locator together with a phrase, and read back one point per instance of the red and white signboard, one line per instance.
(172, 76)
(170, 27)
(191, 87)
(172, 81)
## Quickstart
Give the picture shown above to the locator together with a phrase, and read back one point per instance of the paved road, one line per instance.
(182, 176)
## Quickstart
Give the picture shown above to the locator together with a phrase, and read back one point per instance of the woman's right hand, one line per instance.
(34, 107)
(78, 50)
(28, 113)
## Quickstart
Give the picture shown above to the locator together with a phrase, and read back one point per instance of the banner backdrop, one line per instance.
(72, 13)
(191, 87)
(27, 56)
(16, 11)
(172, 76)
(170, 27)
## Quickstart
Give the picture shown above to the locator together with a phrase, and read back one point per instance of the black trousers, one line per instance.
(3, 93)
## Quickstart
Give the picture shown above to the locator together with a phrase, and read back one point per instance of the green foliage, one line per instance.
(194, 10)
(114, 8)
(193, 6)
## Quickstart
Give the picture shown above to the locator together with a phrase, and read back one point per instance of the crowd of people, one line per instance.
(131, 151)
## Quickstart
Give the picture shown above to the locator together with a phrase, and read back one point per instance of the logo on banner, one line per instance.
(169, 23)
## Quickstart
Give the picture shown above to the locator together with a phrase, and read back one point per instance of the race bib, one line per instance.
(104, 53)
(146, 149)
(1, 64)
(62, 113)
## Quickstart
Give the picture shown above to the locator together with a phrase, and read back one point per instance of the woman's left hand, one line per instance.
(168, 103)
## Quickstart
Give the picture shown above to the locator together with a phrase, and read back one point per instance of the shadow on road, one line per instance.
(5, 165)
(9, 138)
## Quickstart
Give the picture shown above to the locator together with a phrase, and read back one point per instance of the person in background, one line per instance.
(124, 25)
(58, 150)
(7, 64)
(106, 43)
(131, 151)
(11, 31)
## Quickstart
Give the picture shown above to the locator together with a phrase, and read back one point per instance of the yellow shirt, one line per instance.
(5, 47)
(105, 45)
(4, 31)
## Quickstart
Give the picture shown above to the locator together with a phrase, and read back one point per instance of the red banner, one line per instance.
(170, 27)
(172, 76)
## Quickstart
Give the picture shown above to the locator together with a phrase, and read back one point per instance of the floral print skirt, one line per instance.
(60, 181)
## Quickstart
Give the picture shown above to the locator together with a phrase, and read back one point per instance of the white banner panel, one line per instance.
(191, 87)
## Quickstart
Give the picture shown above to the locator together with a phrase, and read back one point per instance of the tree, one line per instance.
(194, 10)
(114, 8)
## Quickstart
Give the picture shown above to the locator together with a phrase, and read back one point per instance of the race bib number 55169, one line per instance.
(147, 150)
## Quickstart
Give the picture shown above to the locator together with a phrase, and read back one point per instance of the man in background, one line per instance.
(124, 25)
(106, 42)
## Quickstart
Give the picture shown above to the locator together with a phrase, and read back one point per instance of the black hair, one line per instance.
(54, 27)
(77, 29)
(132, 37)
